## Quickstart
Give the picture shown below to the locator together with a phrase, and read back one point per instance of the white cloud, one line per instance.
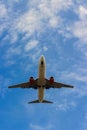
(4, 81)
(60, 4)
(29, 22)
(80, 30)
(14, 38)
(83, 125)
(40, 17)
(80, 27)
(3, 10)
(36, 54)
(45, 48)
(49, 10)
(36, 20)
(15, 50)
(2, 27)
(53, 22)
(82, 12)
(77, 76)
(30, 45)
(79, 81)
(3, 17)
(51, 7)
(38, 127)
(12, 51)
(65, 105)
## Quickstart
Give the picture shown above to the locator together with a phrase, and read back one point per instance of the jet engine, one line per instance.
(51, 80)
(31, 80)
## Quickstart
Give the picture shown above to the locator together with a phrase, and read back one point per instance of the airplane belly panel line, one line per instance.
(41, 83)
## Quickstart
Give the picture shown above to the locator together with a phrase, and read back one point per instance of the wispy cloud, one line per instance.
(29, 23)
(32, 44)
(83, 125)
(79, 80)
(82, 12)
(3, 11)
(28, 26)
(36, 18)
(38, 127)
(79, 29)
(76, 76)
(4, 81)
(65, 105)
(34, 21)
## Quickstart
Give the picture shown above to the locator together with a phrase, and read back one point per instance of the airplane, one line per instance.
(41, 83)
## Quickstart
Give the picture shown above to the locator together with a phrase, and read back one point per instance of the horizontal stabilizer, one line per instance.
(37, 101)
(45, 101)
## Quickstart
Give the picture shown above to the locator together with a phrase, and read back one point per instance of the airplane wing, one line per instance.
(57, 85)
(25, 85)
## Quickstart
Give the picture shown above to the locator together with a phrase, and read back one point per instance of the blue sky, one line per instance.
(58, 30)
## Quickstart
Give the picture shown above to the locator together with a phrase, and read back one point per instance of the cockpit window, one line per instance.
(41, 62)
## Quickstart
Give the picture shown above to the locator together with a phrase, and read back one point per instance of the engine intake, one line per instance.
(31, 80)
(51, 80)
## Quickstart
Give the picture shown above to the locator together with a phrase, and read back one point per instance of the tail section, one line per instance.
(45, 101)
(37, 101)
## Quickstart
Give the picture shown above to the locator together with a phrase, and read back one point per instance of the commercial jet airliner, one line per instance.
(41, 83)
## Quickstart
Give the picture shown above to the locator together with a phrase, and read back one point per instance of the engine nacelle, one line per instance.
(31, 80)
(51, 80)
(47, 87)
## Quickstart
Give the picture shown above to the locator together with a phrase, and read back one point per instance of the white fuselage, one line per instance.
(41, 78)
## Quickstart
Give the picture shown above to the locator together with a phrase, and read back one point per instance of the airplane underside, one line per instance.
(41, 83)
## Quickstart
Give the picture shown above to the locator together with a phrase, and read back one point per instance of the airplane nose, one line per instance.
(42, 57)
(41, 62)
